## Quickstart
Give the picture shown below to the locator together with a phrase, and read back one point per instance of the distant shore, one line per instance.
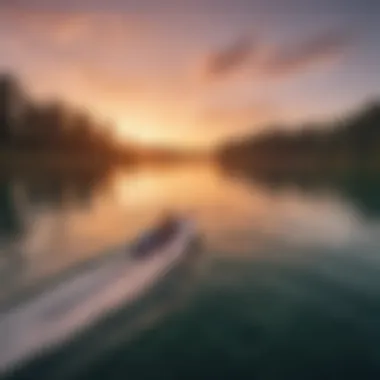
(59, 162)
(341, 148)
(33, 160)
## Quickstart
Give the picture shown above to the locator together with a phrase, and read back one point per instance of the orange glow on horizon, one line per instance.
(141, 134)
(159, 135)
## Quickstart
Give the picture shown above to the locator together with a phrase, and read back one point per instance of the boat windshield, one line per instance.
(158, 237)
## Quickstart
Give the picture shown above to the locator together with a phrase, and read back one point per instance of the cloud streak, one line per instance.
(261, 61)
(228, 59)
(318, 51)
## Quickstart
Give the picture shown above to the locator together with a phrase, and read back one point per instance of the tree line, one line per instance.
(350, 143)
(52, 126)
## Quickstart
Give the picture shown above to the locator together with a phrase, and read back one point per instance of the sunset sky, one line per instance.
(194, 72)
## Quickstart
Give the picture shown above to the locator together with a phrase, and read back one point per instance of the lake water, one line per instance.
(286, 285)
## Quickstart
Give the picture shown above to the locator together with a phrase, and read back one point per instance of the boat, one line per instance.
(44, 321)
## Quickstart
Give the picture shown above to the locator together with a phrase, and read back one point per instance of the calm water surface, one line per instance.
(287, 284)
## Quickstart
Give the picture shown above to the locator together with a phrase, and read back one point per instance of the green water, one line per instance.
(286, 285)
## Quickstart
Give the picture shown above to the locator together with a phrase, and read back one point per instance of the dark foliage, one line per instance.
(352, 143)
(53, 126)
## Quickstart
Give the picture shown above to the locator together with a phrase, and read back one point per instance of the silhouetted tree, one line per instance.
(11, 108)
(352, 143)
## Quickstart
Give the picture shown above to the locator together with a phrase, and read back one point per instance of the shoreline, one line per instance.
(60, 162)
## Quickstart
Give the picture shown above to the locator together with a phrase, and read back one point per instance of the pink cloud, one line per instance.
(322, 50)
(260, 60)
(228, 59)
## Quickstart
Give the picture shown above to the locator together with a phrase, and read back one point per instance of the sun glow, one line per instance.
(146, 134)
(140, 132)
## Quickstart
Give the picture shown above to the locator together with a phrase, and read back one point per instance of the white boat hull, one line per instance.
(56, 315)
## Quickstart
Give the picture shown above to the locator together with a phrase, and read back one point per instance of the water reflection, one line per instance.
(35, 213)
(11, 223)
(49, 224)
(11, 228)
(359, 189)
(282, 254)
